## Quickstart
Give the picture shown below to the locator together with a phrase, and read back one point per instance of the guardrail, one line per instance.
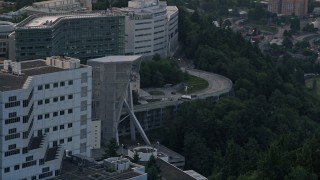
(175, 102)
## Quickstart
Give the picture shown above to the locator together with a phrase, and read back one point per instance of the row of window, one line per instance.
(54, 85)
(54, 114)
(55, 99)
(25, 150)
(54, 128)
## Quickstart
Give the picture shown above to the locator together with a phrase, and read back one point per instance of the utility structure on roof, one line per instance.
(112, 92)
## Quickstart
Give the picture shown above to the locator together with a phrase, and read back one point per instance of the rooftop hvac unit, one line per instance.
(6, 65)
(16, 68)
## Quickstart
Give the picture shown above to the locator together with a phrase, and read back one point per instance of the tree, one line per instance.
(309, 28)
(299, 173)
(136, 157)
(287, 43)
(295, 25)
(153, 169)
(157, 57)
(226, 23)
(287, 34)
(111, 149)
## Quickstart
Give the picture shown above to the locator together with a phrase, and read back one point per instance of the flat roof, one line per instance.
(10, 81)
(167, 151)
(195, 175)
(50, 19)
(168, 171)
(171, 10)
(42, 21)
(111, 59)
(70, 171)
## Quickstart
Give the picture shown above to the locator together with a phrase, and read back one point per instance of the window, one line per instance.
(17, 167)
(61, 141)
(40, 88)
(83, 133)
(55, 85)
(47, 86)
(41, 161)
(62, 83)
(12, 136)
(61, 112)
(12, 120)
(25, 119)
(55, 114)
(12, 146)
(24, 150)
(69, 139)
(84, 77)
(39, 117)
(55, 128)
(45, 169)
(28, 164)
(61, 127)
(13, 114)
(61, 98)
(70, 111)
(55, 143)
(55, 99)
(70, 82)
(12, 152)
(70, 125)
(40, 102)
(13, 130)
(83, 105)
(47, 101)
(29, 158)
(83, 147)
(7, 169)
(70, 96)
(12, 98)
(46, 130)
(83, 119)
(46, 116)
(84, 91)
(12, 104)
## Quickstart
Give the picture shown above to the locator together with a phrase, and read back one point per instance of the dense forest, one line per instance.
(269, 129)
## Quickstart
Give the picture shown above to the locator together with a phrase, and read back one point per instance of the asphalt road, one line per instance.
(217, 85)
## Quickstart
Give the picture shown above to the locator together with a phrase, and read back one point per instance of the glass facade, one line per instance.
(84, 38)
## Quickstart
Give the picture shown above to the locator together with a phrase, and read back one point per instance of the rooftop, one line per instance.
(171, 9)
(168, 171)
(50, 19)
(10, 81)
(71, 171)
(111, 59)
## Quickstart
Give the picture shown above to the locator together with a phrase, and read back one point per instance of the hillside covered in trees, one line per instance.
(269, 129)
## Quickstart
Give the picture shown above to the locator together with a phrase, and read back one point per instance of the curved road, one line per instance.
(217, 85)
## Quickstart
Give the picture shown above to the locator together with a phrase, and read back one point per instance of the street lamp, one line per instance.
(122, 149)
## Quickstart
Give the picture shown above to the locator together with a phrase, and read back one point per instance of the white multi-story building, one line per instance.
(45, 112)
(151, 28)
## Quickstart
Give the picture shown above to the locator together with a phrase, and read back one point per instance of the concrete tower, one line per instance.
(112, 93)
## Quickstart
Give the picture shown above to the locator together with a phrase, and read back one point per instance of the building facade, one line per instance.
(151, 28)
(45, 112)
(112, 93)
(289, 7)
(80, 35)
(6, 28)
